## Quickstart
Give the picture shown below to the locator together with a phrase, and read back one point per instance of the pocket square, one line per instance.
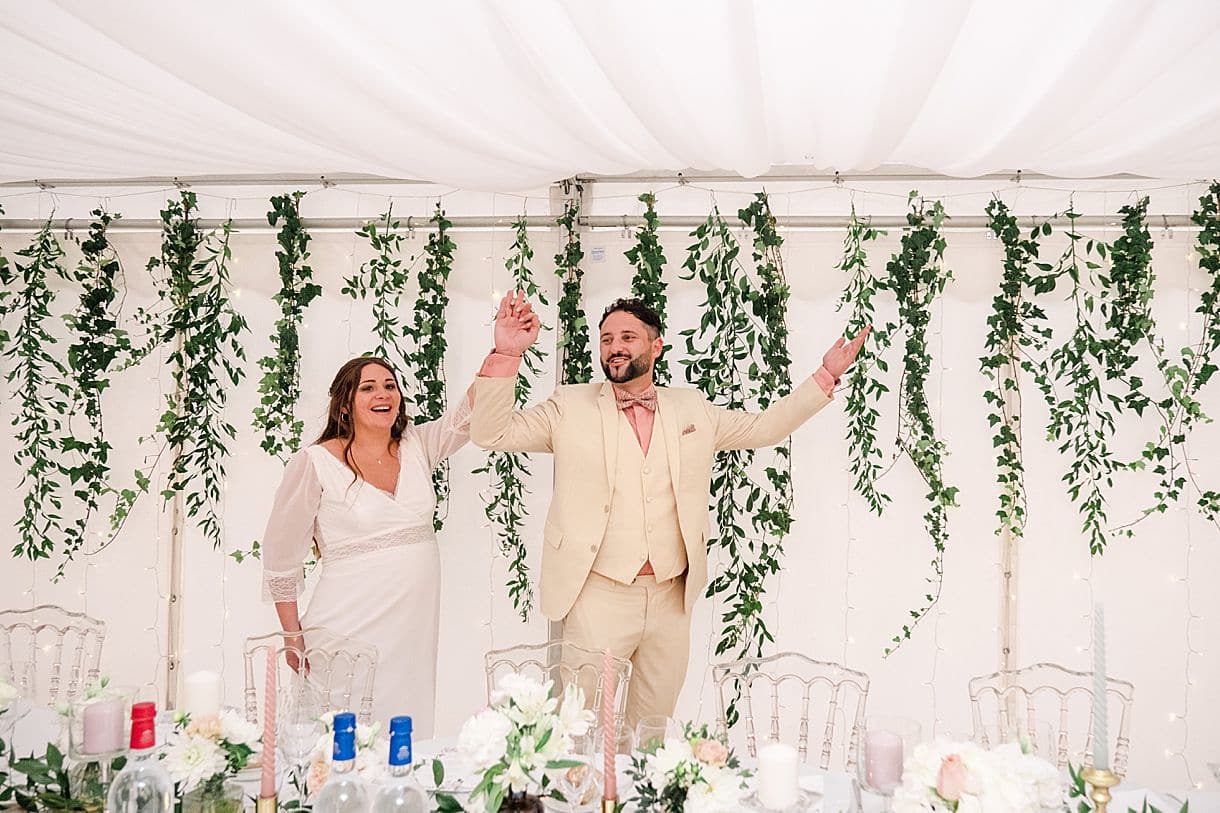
(690, 427)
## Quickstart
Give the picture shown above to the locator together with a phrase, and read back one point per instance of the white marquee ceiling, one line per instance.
(505, 95)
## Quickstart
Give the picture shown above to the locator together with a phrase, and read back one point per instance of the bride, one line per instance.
(363, 493)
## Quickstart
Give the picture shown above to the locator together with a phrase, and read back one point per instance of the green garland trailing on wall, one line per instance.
(575, 357)
(99, 345)
(864, 388)
(648, 283)
(280, 387)
(724, 364)
(1016, 328)
(917, 277)
(383, 279)
(205, 334)
(427, 332)
(509, 470)
(769, 305)
(40, 379)
(1082, 418)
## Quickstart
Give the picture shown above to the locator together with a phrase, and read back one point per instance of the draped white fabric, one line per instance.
(506, 95)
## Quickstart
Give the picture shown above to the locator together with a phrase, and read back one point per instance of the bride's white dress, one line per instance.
(379, 573)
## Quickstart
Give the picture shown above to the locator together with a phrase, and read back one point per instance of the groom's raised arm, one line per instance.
(494, 423)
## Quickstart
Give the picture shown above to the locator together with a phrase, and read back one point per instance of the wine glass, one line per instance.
(299, 722)
(653, 730)
(576, 781)
(885, 745)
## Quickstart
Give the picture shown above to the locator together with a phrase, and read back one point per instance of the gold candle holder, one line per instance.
(1100, 780)
(609, 805)
(266, 804)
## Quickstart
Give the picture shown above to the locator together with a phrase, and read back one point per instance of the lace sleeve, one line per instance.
(289, 531)
(443, 437)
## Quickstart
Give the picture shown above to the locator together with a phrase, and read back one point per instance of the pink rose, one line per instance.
(711, 752)
(319, 772)
(952, 778)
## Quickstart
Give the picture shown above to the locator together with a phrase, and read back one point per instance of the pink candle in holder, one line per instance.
(882, 759)
(103, 726)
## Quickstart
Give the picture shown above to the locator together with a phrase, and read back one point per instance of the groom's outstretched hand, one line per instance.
(516, 325)
(838, 358)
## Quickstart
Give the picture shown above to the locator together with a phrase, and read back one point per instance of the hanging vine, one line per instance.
(41, 386)
(280, 387)
(427, 332)
(648, 284)
(98, 346)
(1016, 327)
(205, 333)
(576, 359)
(769, 304)
(724, 364)
(509, 470)
(917, 277)
(864, 388)
(383, 279)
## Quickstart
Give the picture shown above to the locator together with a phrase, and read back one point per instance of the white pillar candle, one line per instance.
(778, 771)
(1101, 734)
(103, 726)
(882, 759)
(201, 694)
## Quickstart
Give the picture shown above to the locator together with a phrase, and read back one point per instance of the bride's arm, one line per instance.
(286, 542)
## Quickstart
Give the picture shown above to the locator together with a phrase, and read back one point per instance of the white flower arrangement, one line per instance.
(8, 693)
(208, 750)
(372, 754)
(962, 777)
(695, 774)
(513, 743)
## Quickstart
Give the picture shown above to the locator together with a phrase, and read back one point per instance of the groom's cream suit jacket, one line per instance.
(579, 424)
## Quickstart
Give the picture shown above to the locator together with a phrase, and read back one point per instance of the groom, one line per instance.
(624, 556)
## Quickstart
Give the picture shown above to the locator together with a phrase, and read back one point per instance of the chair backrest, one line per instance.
(786, 690)
(562, 663)
(340, 666)
(1020, 699)
(55, 650)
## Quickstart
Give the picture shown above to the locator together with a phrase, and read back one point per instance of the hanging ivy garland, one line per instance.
(383, 279)
(1016, 328)
(280, 388)
(99, 344)
(509, 470)
(41, 392)
(864, 388)
(576, 359)
(648, 284)
(205, 333)
(427, 331)
(917, 277)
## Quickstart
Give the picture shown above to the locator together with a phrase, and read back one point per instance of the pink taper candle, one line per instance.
(609, 740)
(267, 789)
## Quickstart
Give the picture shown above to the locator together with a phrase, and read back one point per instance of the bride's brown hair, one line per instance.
(343, 394)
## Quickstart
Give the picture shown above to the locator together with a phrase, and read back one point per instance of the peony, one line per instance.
(484, 739)
(191, 759)
(711, 752)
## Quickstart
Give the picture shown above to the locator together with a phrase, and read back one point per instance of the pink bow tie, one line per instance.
(646, 399)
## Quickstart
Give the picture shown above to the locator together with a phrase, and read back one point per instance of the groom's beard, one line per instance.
(635, 368)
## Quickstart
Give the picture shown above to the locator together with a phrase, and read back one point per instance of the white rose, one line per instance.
(190, 760)
(237, 729)
(484, 738)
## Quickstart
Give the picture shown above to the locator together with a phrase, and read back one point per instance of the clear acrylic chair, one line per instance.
(57, 650)
(340, 667)
(562, 663)
(1020, 699)
(783, 692)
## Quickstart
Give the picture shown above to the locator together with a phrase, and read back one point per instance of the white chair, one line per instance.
(55, 650)
(1020, 699)
(786, 689)
(562, 663)
(339, 666)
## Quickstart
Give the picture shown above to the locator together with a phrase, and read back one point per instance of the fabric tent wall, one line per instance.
(849, 578)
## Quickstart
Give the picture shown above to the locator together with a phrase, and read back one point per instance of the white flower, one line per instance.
(1001, 780)
(190, 760)
(366, 735)
(237, 730)
(721, 792)
(574, 719)
(484, 738)
(8, 693)
(665, 759)
(522, 698)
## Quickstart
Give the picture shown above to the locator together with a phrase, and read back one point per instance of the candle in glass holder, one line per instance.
(778, 776)
(201, 694)
(882, 759)
(103, 726)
